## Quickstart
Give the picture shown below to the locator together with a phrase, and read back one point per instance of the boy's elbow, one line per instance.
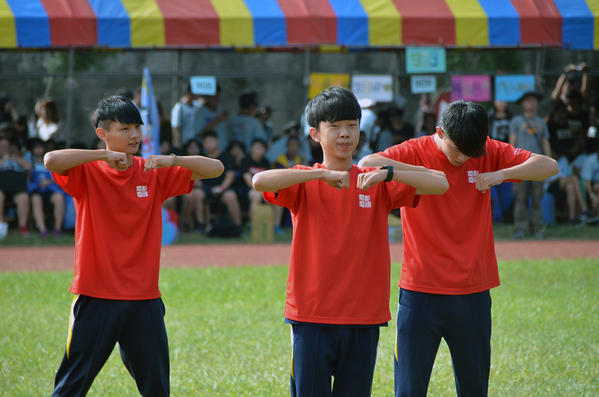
(257, 183)
(554, 167)
(368, 161)
(50, 161)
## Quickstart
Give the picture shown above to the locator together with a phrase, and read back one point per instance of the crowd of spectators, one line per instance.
(246, 142)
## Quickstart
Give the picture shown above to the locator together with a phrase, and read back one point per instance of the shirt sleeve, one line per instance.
(175, 113)
(71, 182)
(288, 197)
(503, 155)
(174, 181)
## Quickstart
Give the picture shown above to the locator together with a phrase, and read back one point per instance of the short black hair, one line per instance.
(248, 99)
(209, 133)
(260, 141)
(115, 108)
(333, 104)
(466, 124)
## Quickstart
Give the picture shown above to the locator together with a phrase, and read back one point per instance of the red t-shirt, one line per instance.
(118, 231)
(448, 240)
(339, 269)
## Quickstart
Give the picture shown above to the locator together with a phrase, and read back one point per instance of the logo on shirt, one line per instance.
(517, 151)
(472, 176)
(365, 201)
(142, 191)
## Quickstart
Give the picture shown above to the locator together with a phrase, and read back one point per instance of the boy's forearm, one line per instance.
(536, 168)
(60, 161)
(201, 167)
(425, 182)
(275, 180)
(376, 160)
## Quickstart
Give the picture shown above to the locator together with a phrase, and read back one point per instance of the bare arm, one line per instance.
(425, 181)
(546, 147)
(275, 180)
(555, 94)
(376, 160)
(536, 168)
(61, 161)
(201, 167)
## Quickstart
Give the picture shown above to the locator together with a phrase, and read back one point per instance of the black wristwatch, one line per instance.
(389, 169)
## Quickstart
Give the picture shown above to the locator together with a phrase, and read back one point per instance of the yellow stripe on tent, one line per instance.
(147, 23)
(384, 22)
(594, 7)
(471, 23)
(236, 23)
(8, 30)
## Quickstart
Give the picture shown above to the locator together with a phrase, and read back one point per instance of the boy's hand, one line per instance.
(369, 179)
(337, 179)
(488, 179)
(154, 162)
(117, 160)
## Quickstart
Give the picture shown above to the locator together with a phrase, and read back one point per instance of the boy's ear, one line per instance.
(439, 132)
(315, 134)
(101, 133)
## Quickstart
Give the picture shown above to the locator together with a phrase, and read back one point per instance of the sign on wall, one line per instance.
(425, 60)
(203, 85)
(471, 88)
(423, 84)
(511, 88)
(376, 87)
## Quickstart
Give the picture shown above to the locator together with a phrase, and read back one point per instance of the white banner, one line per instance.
(376, 87)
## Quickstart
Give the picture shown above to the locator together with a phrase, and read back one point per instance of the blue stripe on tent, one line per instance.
(31, 23)
(114, 26)
(352, 22)
(504, 22)
(578, 24)
(269, 22)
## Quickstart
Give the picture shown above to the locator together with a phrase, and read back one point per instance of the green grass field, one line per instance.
(227, 336)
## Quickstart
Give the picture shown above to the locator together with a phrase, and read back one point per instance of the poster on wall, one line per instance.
(471, 88)
(379, 88)
(423, 84)
(511, 88)
(321, 81)
(425, 60)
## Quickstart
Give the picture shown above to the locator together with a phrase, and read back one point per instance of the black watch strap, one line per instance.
(389, 169)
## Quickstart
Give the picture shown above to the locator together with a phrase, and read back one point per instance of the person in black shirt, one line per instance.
(250, 166)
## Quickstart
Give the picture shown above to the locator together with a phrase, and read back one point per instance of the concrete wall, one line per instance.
(278, 77)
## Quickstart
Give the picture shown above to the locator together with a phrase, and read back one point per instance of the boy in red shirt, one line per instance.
(118, 232)
(339, 273)
(449, 262)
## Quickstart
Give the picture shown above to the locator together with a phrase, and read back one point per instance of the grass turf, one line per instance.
(227, 336)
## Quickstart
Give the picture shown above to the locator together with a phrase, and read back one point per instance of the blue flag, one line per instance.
(151, 118)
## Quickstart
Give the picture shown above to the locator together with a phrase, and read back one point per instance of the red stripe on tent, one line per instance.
(426, 22)
(309, 21)
(190, 22)
(540, 22)
(72, 22)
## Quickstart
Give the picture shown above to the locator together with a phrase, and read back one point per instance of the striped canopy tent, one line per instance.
(298, 23)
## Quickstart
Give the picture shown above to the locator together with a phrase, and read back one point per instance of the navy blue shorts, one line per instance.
(464, 321)
(320, 353)
(96, 325)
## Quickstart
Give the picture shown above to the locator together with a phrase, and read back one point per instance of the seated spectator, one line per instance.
(211, 117)
(244, 127)
(429, 125)
(250, 166)
(290, 157)
(220, 188)
(193, 203)
(13, 185)
(279, 147)
(49, 124)
(44, 191)
(590, 176)
(263, 114)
